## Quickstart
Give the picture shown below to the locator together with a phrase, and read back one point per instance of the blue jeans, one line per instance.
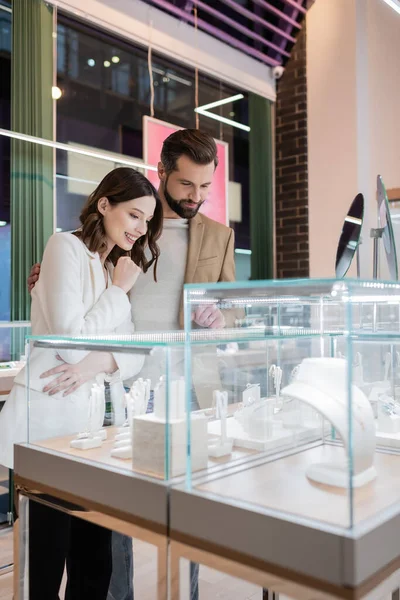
(121, 584)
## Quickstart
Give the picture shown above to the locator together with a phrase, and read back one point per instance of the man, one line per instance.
(194, 249)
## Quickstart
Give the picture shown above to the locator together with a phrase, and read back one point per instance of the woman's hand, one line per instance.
(71, 377)
(126, 273)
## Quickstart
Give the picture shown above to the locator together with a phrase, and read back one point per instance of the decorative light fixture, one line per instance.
(56, 93)
(115, 59)
(91, 62)
(107, 63)
(205, 111)
(75, 150)
(395, 4)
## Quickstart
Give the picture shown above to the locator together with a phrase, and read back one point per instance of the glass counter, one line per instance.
(305, 421)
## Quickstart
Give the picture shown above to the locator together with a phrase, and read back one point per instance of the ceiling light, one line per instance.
(204, 110)
(115, 59)
(75, 150)
(107, 63)
(56, 93)
(58, 229)
(242, 251)
(395, 4)
(3, 223)
(211, 115)
(221, 102)
(91, 62)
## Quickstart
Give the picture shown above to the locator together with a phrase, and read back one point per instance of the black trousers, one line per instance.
(56, 538)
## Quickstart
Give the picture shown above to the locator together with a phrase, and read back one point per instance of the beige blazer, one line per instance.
(210, 260)
(210, 253)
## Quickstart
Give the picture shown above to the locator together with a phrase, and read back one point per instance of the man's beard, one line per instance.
(178, 206)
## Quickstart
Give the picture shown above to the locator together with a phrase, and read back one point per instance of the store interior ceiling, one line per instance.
(265, 30)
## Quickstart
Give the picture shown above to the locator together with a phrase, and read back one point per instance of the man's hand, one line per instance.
(71, 377)
(33, 277)
(209, 316)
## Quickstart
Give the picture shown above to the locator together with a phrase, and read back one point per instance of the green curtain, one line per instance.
(31, 164)
(261, 188)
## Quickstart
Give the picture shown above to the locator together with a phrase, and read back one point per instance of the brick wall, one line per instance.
(292, 248)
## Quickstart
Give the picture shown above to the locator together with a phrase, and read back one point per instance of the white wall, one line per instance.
(353, 62)
(332, 126)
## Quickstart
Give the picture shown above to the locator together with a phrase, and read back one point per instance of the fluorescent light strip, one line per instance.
(76, 179)
(395, 4)
(70, 148)
(5, 8)
(211, 115)
(221, 102)
(242, 251)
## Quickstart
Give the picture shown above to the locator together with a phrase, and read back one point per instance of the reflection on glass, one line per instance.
(385, 223)
(350, 236)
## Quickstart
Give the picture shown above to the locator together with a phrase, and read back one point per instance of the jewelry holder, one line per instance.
(223, 446)
(322, 384)
(94, 434)
(117, 393)
(160, 438)
(136, 401)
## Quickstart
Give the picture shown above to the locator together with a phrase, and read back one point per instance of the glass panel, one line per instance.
(304, 395)
(133, 419)
(138, 566)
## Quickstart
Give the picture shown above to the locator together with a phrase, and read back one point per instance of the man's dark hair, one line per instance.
(197, 146)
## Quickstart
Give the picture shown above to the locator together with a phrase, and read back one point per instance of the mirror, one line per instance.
(385, 223)
(350, 236)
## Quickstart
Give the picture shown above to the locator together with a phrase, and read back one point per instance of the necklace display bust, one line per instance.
(322, 383)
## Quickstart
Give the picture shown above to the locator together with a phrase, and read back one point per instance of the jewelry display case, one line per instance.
(303, 435)
(72, 460)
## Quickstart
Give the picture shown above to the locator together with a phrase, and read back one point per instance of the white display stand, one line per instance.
(94, 435)
(136, 401)
(167, 426)
(149, 434)
(281, 437)
(322, 384)
(223, 445)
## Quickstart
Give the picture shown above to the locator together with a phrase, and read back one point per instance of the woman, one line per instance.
(83, 286)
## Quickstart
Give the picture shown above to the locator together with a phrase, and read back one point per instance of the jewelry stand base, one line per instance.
(86, 443)
(123, 436)
(280, 439)
(124, 452)
(102, 434)
(337, 475)
(150, 435)
(217, 450)
(122, 443)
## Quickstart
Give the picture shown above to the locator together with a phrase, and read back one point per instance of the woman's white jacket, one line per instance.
(70, 299)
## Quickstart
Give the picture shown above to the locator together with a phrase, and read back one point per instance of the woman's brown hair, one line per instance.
(121, 185)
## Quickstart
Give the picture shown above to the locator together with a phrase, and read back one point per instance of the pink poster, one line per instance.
(154, 134)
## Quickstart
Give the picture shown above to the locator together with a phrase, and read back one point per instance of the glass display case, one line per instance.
(305, 420)
(133, 419)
